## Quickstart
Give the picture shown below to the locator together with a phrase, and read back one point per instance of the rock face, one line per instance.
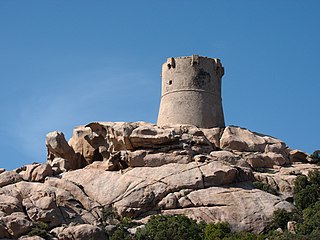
(140, 169)
(81, 231)
(232, 204)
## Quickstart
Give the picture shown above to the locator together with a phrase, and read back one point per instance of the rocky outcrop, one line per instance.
(232, 204)
(36, 172)
(140, 169)
(282, 179)
(58, 147)
(140, 144)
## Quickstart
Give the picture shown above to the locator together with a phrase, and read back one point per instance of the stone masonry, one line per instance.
(191, 92)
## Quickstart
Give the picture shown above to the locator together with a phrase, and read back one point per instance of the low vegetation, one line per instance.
(39, 229)
(315, 156)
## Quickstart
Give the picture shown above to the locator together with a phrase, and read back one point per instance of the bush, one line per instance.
(306, 197)
(39, 229)
(280, 219)
(109, 216)
(311, 223)
(121, 234)
(307, 191)
(265, 187)
(300, 183)
(314, 177)
(244, 236)
(216, 231)
(182, 228)
(315, 156)
(177, 227)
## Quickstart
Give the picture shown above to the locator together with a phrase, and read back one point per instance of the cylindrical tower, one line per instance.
(191, 92)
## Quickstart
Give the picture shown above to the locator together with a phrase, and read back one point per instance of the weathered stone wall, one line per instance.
(191, 92)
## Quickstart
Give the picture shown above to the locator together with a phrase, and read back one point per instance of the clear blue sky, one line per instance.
(68, 63)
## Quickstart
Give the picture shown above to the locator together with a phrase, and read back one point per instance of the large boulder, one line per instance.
(151, 136)
(9, 177)
(36, 172)
(10, 204)
(58, 147)
(79, 232)
(60, 165)
(265, 160)
(298, 156)
(213, 135)
(229, 157)
(16, 224)
(243, 140)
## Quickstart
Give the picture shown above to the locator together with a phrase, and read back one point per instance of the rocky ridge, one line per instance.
(140, 169)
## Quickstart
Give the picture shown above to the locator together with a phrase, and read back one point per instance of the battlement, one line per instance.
(191, 91)
(194, 61)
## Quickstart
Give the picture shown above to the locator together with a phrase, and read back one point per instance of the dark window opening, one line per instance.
(170, 82)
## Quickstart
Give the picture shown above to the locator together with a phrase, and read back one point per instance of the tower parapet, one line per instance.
(191, 92)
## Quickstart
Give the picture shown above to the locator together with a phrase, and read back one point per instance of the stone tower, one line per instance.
(191, 92)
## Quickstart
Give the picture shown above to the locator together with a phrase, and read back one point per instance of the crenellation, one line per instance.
(171, 63)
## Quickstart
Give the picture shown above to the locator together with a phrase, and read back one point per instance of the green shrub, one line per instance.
(314, 177)
(307, 191)
(306, 197)
(121, 234)
(300, 183)
(216, 231)
(39, 229)
(315, 156)
(265, 187)
(311, 217)
(244, 236)
(177, 227)
(109, 216)
(286, 236)
(280, 219)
